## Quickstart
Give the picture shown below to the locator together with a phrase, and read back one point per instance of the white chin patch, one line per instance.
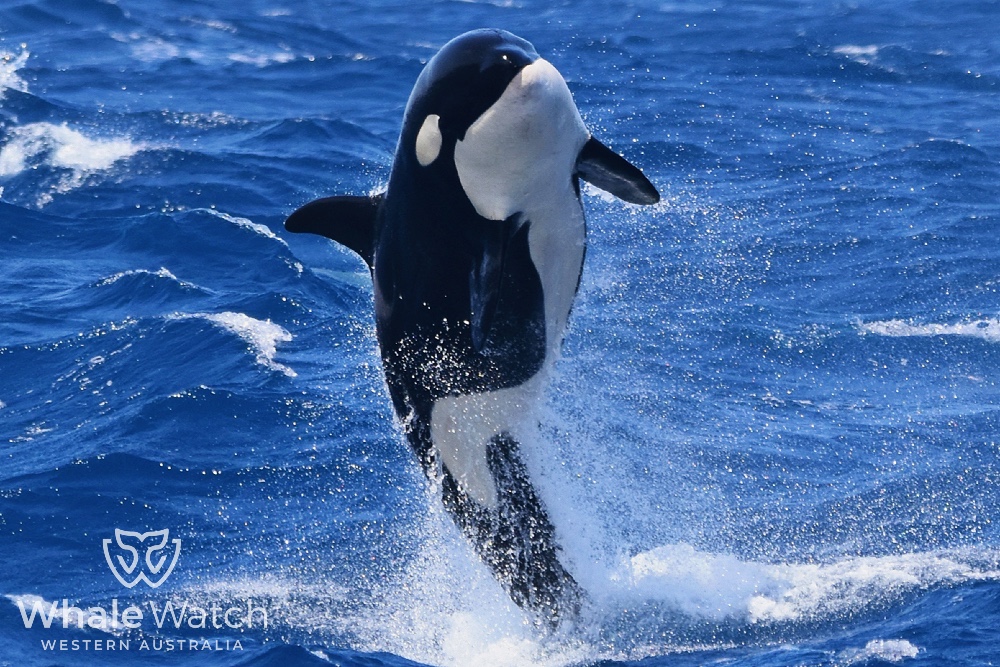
(523, 146)
(428, 140)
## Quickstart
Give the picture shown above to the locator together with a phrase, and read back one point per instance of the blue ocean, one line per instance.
(773, 436)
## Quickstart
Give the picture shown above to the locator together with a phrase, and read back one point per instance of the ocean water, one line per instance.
(773, 435)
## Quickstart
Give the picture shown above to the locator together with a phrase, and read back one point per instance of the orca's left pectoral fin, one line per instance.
(603, 168)
(348, 220)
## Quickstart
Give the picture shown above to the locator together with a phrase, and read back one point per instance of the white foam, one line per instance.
(445, 607)
(65, 147)
(717, 586)
(887, 650)
(986, 329)
(213, 24)
(864, 55)
(155, 49)
(255, 227)
(262, 336)
(10, 64)
(696, 583)
(62, 147)
(162, 272)
(262, 60)
(203, 121)
(856, 51)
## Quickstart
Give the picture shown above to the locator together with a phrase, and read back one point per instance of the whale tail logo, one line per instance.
(145, 557)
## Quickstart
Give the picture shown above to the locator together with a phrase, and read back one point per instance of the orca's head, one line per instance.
(490, 111)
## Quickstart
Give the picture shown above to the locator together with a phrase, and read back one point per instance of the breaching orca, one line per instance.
(476, 249)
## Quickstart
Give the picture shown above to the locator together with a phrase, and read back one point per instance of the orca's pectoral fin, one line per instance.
(602, 167)
(486, 279)
(348, 220)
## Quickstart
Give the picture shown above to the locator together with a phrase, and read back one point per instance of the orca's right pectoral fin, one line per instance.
(348, 220)
(602, 167)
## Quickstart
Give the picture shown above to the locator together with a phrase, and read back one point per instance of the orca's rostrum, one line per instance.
(476, 249)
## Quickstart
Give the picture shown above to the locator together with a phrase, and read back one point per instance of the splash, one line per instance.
(650, 605)
(444, 608)
(262, 336)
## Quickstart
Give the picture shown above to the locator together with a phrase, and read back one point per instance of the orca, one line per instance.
(476, 250)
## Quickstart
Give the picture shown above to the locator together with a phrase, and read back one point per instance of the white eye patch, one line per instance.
(428, 140)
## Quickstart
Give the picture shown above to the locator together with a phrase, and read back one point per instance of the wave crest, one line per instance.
(263, 336)
(61, 147)
(10, 64)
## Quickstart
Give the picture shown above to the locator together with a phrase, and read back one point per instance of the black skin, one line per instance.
(459, 305)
